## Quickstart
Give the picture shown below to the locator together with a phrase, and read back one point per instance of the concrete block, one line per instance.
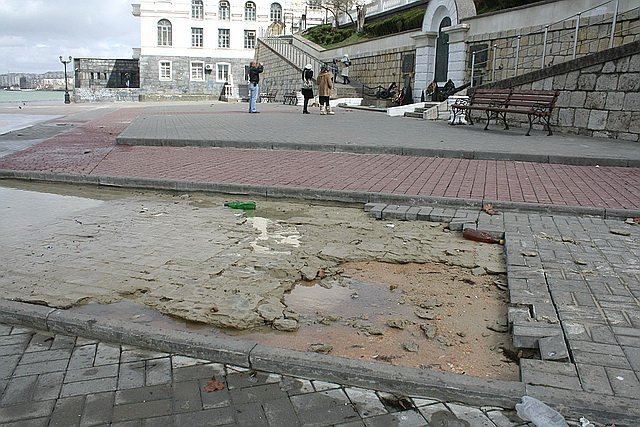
(553, 348)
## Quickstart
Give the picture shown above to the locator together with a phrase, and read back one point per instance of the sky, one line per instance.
(34, 33)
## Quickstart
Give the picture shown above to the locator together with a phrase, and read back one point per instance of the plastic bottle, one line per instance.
(241, 205)
(480, 236)
(541, 415)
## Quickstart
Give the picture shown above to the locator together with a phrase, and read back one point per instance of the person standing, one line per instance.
(324, 90)
(346, 63)
(255, 69)
(334, 70)
(307, 87)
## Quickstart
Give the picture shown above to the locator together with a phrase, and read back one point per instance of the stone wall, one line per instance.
(279, 73)
(181, 87)
(593, 36)
(599, 93)
(98, 73)
(102, 94)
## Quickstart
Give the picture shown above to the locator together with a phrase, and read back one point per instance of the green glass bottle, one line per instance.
(241, 205)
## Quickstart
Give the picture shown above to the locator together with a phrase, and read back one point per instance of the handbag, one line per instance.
(307, 84)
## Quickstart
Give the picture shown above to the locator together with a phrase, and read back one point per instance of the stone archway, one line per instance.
(426, 43)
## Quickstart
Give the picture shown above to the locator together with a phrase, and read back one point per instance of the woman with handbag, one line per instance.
(307, 87)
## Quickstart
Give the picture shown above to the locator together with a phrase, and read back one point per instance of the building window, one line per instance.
(276, 12)
(222, 72)
(165, 70)
(249, 11)
(249, 39)
(223, 38)
(197, 37)
(164, 33)
(197, 71)
(197, 9)
(224, 11)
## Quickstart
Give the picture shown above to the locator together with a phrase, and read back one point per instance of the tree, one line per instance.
(336, 7)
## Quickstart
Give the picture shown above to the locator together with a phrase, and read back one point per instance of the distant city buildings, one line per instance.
(52, 80)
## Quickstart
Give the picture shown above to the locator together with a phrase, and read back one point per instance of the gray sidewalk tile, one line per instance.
(131, 375)
(19, 390)
(82, 388)
(209, 417)
(141, 410)
(98, 409)
(187, 397)
(143, 394)
(67, 412)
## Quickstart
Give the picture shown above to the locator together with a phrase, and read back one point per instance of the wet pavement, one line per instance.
(572, 260)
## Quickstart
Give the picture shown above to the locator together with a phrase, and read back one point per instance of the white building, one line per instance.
(190, 48)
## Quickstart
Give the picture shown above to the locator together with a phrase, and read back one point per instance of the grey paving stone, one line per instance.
(260, 393)
(599, 359)
(320, 399)
(553, 348)
(82, 357)
(141, 410)
(143, 394)
(8, 350)
(551, 373)
(107, 354)
(93, 373)
(138, 354)
(295, 386)
(33, 422)
(473, 416)
(48, 386)
(19, 390)
(63, 342)
(186, 396)
(624, 382)
(280, 412)
(41, 368)
(131, 375)
(165, 421)
(67, 412)
(328, 415)
(209, 417)
(214, 399)
(98, 409)
(633, 356)
(45, 356)
(246, 379)
(400, 419)
(366, 402)
(28, 410)
(82, 388)
(40, 341)
(196, 372)
(8, 365)
(251, 414)
(158, 371)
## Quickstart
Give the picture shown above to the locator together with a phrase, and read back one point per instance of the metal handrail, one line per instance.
(505, 43)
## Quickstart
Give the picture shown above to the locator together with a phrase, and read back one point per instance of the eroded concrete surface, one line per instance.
(188, 256)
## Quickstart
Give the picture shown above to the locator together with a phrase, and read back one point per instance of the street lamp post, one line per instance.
(67, 100)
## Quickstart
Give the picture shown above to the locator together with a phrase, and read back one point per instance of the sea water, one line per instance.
(28, 96)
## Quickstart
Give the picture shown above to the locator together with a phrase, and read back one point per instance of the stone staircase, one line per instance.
(418, 113)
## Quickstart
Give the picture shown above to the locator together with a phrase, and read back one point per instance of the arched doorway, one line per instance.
(442, 52)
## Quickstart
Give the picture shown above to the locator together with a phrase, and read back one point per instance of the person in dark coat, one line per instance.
(307, 87)
(254, 78)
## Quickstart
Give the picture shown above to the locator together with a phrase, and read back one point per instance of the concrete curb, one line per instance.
(315, 194)
(359, 148)
(357, 373)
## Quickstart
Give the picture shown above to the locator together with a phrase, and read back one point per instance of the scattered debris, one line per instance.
(396, 323)
(320, 348)
(411, 347)
(213, 385)
(489, 209)
(529, 254)
(620, 232)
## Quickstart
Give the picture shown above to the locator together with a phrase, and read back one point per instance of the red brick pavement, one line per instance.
(90, 149)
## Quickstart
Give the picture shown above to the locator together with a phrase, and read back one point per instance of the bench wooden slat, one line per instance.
(496, 103)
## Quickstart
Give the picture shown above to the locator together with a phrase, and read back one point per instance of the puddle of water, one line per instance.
(271, 230)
